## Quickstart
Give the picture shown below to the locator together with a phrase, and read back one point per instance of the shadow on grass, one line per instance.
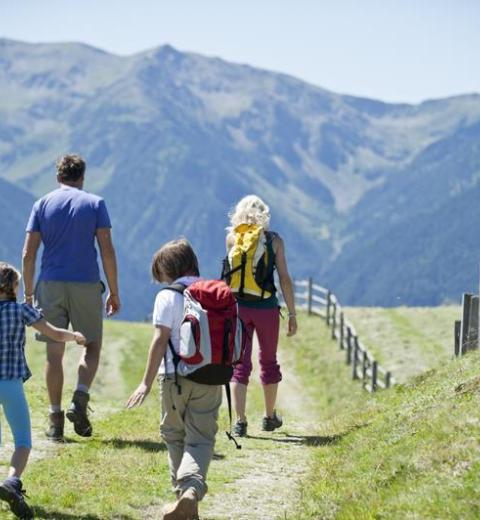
(305, 440)
(144, 444)
(308, 440)
(40, 512)
(218, 456)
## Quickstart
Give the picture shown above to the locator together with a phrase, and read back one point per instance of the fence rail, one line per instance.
(319, 301)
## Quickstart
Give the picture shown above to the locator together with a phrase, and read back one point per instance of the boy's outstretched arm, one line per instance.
(157, 350)
(57, 334)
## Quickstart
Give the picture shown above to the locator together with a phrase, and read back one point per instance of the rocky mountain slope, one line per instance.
(173, 139)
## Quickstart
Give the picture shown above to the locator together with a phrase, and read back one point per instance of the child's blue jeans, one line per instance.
(15, 408)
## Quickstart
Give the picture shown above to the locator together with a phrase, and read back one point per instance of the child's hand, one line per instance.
(79, 338)
(292, 326)
(137, 398)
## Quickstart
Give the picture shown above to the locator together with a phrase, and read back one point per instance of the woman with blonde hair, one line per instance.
(253, 254)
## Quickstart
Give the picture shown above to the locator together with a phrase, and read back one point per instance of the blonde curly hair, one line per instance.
(250, 210)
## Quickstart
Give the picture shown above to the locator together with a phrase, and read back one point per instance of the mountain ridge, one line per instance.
(173, 139)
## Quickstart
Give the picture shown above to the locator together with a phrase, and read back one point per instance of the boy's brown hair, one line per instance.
(70, 167)
(9, 278)
(173, 260)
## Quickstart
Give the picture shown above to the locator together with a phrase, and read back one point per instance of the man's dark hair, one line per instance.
(173, 260)
(70, 167)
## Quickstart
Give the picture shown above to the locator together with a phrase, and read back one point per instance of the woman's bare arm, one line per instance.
(285, 283)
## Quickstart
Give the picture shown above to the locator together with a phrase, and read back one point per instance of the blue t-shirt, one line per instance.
(67, 220)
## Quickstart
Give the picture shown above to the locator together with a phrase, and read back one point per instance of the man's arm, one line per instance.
(33, 240)
(156, 353)
(109, 261)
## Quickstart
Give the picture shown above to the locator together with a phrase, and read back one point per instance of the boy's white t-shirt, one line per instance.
(168, 312)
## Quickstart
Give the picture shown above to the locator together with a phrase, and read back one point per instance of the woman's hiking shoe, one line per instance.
(77, 413)
(11, 491)
(56, 424)
(185, 508)
(271, 423)
(240, 429)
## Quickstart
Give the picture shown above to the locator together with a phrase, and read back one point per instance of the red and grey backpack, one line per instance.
(212, 339)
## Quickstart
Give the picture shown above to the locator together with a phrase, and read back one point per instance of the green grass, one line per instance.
(411, 452)
(406, 340)
(123, 470)
(408, 453)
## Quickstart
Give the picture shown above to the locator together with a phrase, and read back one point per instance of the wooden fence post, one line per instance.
(374, 376)
(309, 295)
(388, 379)
(466, 305)
(364, 366)
(341, 335)
(355, 358)
(456, 337)
(349, 345)
(473, 324)
(329, 303)
(334, 320)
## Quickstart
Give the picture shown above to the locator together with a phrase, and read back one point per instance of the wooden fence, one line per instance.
(466, 330)
(317, 300)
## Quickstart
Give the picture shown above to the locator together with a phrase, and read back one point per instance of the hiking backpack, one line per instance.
(212, 338)
(211, 333)
(249, 265)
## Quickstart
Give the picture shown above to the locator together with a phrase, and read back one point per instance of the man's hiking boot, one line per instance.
(185, 508)
(271, 423)
(11, 491)
(240, 429)
(77, 413)
(56, 424)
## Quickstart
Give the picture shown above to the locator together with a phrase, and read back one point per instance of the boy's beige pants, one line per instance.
(188, 427)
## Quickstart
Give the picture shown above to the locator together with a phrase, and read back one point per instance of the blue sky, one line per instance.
(395, 50)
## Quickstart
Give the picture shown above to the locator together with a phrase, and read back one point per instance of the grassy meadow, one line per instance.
(411, 452)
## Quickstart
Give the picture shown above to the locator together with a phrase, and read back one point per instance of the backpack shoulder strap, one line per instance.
(180, 289)
(175, 287)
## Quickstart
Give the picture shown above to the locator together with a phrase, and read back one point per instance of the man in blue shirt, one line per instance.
(68, 220)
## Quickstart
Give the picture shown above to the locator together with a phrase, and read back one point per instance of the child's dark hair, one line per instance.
(173, 260)
(9, 278)
(70, 167)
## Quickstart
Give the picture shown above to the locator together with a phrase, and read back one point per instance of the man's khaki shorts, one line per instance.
(75, 303)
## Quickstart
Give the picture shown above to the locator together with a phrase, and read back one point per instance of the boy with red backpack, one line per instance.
(196, 341)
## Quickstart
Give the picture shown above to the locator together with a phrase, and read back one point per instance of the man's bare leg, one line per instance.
(54, 373)
(54, 379)
(87, 368)
(88, 365)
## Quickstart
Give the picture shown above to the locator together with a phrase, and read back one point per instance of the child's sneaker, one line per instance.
(56, 424)
(185, 508)
(271, 423)
(240, 429)
(11, 491)
(77, 414)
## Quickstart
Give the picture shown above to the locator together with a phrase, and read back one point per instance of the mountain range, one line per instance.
(374, 200)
